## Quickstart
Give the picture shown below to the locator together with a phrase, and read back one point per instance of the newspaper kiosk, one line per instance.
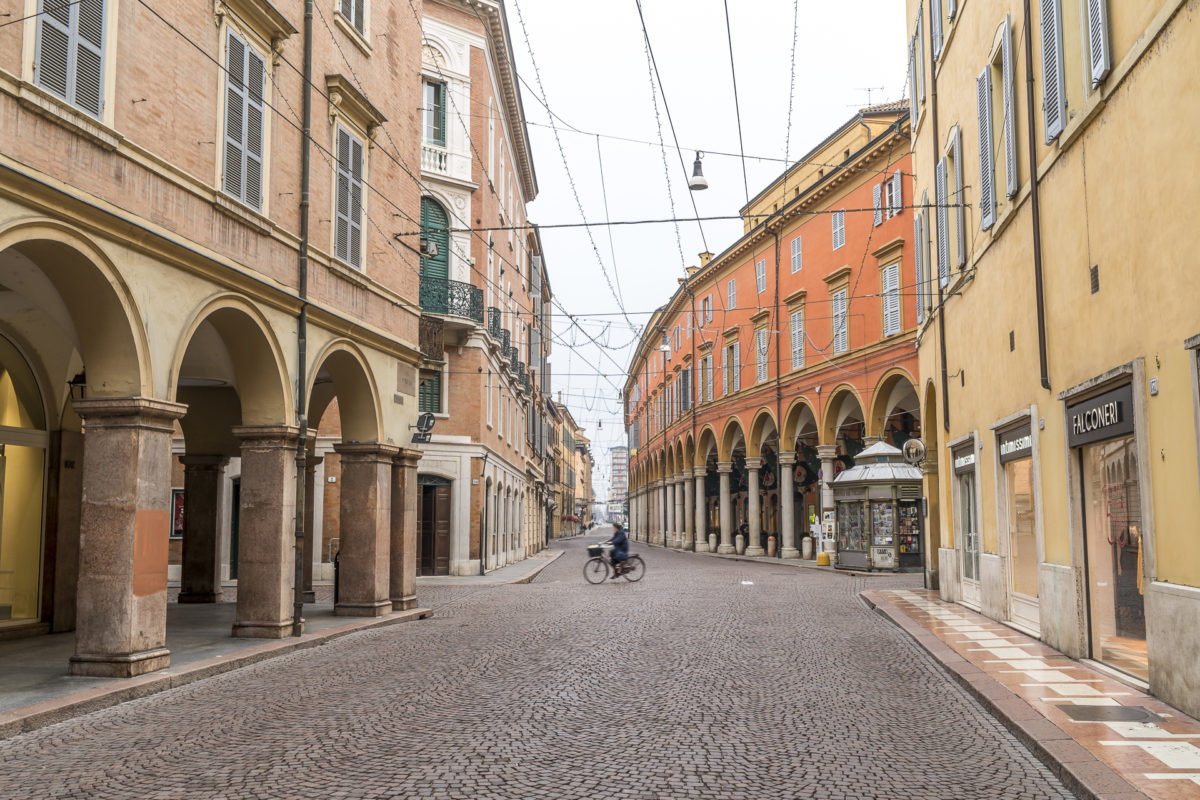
(879, 512)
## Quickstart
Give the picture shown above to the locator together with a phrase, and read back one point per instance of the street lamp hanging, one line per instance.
(697, 182)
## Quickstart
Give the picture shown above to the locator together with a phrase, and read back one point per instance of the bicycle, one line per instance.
(596, 569)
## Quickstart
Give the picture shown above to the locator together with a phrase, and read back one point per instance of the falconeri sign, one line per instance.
(1103, 417)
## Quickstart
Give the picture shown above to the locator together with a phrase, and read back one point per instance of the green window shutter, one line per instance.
(434, 222)
(430, 393)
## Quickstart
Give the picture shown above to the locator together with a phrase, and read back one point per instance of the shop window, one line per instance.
(1014, 448)
(966, 518)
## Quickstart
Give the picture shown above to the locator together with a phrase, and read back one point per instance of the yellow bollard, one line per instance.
(822, 559)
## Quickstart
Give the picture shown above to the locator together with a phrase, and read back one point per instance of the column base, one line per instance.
(199, 597)
(404, 603)
(725, 549)
(375, 609)
(263, 630)
(309, 596)
(789, 552)
(701, 546)
(755, 551)
(119, 666)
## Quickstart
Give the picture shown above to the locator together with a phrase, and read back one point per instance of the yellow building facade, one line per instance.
(1059, 349)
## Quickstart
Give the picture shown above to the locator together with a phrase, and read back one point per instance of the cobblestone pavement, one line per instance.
(708, 679)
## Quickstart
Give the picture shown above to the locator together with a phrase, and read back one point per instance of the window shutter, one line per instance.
(1097, 11)
(921, 52)
(732, 296)
(761, 354)
(918, 255)
(877, 202)
(360, 15)
(347, 9)
(897, 193)
(891, 300)
(840, 339)
(724, 373)
(54, 46)
(926, 261)
(951, 8)
(89, 49)
(708, 314)
(235, 111)
(935, 24)
(255, 87)
(797, 339)
(960, 211)
(760, 276)
(710, 379)
(912, 79)
(987, 169)
(737, 367)
(1054, 90)
(1010, 112)
(356, 184)
(943, 240)
(797, 255)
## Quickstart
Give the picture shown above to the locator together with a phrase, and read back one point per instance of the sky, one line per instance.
(587, 90)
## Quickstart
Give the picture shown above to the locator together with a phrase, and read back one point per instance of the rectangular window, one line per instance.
(896, 192)
(685, 391)
(987, 168)
(708, 313)
(430, 393)
(839, 229)
(708, 388)
(355, 12)
(433, 112)
(919, 261)
(488, 391)
(725, 378)
(798, 338)
(760, 349)
(876, 204)
(70, 52)
(760, 276)
(891, 300)
(943, 224)
(245, 82)
(348, 228)
(731, 291)
(797, 256)
(841, 340)
(736, 357)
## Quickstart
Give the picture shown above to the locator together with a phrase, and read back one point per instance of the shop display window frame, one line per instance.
(960, 543)
(1000, 428)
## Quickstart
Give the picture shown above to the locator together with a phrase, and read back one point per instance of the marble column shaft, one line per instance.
(204, 486)
(402, 576)
(826, 452)
(754, 510)
(124, 524)
(364, 563)
(787, 506)
(686, 504)
(310, 505)
(724, 468)
(700, 511)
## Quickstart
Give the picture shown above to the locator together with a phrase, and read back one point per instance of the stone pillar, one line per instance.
(203, 483)
(669, 538)
(826, 452)
(403, 551)
(754, 510)
(687, 504)
(310, 500)
(700, 512)
(724, 468)
(787, 506)
(266, 532)
(364, 566)
(125, 524)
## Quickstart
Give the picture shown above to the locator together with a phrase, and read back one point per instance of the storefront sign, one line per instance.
(1016, 443)
(1099, 418)
(964, 459)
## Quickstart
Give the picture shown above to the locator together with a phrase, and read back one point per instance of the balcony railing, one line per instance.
(435, 159)
(453, 298)
(431, 337)
(505, 343)
(493, 315)
(512, 359)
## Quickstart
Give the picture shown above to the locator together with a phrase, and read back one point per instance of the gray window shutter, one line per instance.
(709, 390)
(797, 339)
(255, 86)
(724, 374)
(347, 9)
(912, 79)
(1010, 112)
(52, 68)
(987, 168)
(235, 112)
(797, 254)
(342, 229)
(951, 8)
(1097, 11)
(89, 49)
(70, 48)
(737, 367)
(840, 339)
(360, 15)
(935, 24)
(943, 237)
(960, 210)
(877, 199)
(921, 53)
(897, 193)
(356, 187)
(760, 355)
(1054, 90)
(891, 300)
(918, 253)
(926, 261)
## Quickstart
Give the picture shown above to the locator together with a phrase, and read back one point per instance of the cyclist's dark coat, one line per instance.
(620, 543)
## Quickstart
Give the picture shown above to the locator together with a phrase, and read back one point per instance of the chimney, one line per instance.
(692, 271)
(705, 257)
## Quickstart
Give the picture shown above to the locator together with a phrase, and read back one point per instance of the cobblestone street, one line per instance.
(710, 678)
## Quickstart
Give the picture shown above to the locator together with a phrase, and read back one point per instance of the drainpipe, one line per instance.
(302, 324)
(484, 515)
(778, 374)
(1033, 200)
(933, 121)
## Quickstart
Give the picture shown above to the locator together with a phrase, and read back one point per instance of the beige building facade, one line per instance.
(1059, 349)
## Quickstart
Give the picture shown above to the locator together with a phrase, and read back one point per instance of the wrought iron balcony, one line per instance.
(505, 343)
(493, 316)
(452, 298)
(432, 337)
(512, 359)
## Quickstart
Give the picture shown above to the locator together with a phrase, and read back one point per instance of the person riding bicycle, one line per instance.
(620, 549)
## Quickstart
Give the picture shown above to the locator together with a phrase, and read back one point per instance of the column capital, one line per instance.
(929, 466)
(407, 457)
(700, 472)
(312, 462)
(130, 412)
(725, 467)
(268, 435)
(826, 451)
(787, 458)
(200, 463)
(754, 462)
(365, 451)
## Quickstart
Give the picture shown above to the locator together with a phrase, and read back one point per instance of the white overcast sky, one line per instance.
(593, 68)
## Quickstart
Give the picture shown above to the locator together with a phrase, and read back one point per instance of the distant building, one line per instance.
(618, 487)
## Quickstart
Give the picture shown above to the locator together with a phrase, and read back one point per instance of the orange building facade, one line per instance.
(779, 360)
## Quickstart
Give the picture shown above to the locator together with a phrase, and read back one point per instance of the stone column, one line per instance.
(364, 566)
(266, 532)
(787, 506)
(204, 484)
(700, 512)
(687, 504)
(125, 527)
(754, 509)
(724, 468)
(310, 495)
(826, 452)
(403, 551)
(672, 512)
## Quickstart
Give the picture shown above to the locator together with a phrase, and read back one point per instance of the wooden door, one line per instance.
(441, 530)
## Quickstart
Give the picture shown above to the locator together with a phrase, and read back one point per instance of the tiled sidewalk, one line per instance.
(1103, 738)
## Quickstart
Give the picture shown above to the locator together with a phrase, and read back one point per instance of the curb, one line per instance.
(529, 576)
(121, 690)
(778, 562)
(1081, 772)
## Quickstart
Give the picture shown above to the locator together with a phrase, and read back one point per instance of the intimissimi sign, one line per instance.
(1099, 418)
